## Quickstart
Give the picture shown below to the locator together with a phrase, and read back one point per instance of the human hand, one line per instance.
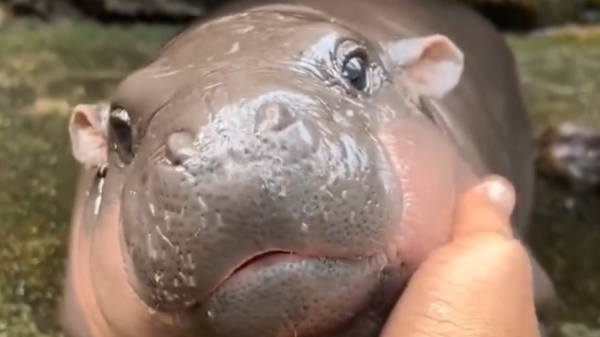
(479, 284)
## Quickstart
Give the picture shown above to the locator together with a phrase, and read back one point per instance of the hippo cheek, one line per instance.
(432, 176)
(110, 283)
(81, 315)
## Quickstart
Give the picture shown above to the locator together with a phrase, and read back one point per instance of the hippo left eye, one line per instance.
(121, 133)
(354, 70)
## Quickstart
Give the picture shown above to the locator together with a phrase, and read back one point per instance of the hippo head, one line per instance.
(276, 173)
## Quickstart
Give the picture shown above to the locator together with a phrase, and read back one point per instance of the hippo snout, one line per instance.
(264, 204)
(277, 135)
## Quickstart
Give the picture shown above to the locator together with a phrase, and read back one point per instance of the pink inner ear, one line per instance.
(88, 143)
(421, 72)
(438, 67)
(437, 50)
(81, 121)
(441, 49)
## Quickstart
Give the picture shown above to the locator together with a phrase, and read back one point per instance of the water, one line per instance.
(45, 70)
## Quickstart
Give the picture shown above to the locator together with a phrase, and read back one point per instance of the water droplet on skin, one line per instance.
(98, 200)
(246, 29)
(234, 48)
(151, 251)
(203, 205)
(189, 263)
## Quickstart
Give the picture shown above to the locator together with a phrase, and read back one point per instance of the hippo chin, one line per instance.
(283, 167)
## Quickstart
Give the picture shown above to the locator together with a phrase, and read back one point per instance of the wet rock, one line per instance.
(591, 13)
(145, 9)
(570, 153)
(45, 9)
(123, 10)
(511, 14)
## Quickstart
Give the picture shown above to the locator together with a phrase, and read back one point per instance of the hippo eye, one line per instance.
(352, 59)
(354, 70)
(121, 133)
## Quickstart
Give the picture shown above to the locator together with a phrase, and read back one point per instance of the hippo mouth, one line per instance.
(263, 261)
(258, 262)
(293, 293)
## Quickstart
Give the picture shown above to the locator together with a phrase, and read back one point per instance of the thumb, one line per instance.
(478, 285)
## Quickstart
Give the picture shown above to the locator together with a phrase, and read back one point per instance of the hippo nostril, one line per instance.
(272, 116)
(180, 147)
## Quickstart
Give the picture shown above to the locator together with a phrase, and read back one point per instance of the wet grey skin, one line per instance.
(248, 184)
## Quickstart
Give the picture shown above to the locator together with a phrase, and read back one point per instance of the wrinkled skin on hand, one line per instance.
(231, 186)
(479, 284)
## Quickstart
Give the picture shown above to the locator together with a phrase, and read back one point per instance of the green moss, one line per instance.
(561, 79)
(44, 71)
(559, 75)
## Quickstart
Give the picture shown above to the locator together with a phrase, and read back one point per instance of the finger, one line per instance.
(486, 208)
(479, 285)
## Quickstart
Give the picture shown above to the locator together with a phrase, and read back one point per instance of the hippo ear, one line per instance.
(88, 131)
(431, 65)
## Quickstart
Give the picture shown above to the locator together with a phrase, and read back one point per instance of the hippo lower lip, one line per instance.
(297, 293)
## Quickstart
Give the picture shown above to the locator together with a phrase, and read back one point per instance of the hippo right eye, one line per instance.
(354, 66)
(354, 71)
(121, 133)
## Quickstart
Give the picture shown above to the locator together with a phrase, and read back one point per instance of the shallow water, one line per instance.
(42, 76)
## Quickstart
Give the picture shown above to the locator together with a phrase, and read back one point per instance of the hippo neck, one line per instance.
(441, 116)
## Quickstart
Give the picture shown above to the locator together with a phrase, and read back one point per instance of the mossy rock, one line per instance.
(530, 13)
